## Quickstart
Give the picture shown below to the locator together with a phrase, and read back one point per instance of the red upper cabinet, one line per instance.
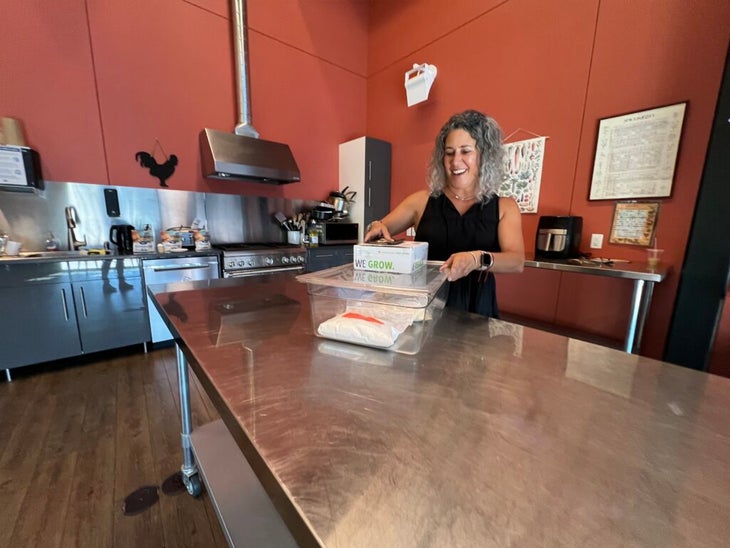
(164, 72)
(47, 81)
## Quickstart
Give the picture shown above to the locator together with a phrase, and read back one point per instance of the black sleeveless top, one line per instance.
(448, 232)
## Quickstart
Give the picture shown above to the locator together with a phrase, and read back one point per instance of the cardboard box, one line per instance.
(401, 258)
(415, 279)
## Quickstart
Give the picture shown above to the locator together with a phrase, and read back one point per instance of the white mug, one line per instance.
(12, 248)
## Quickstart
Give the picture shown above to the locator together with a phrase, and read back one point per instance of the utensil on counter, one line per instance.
(283, 221)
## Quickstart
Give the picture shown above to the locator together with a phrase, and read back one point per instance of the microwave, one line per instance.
(339, 233)
(20, 168)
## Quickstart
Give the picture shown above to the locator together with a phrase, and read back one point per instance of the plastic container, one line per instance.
(409, 303)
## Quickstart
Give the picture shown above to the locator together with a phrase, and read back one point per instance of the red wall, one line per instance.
(555, 69)
(95, 82)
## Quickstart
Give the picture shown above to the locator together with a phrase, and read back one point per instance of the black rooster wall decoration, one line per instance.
(162, 171)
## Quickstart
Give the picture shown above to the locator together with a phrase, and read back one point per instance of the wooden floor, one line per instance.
(77, 437)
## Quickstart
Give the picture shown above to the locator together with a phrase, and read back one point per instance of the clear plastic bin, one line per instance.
(409, 303)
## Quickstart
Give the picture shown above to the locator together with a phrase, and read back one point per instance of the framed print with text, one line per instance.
(636, 154)
(634, 223)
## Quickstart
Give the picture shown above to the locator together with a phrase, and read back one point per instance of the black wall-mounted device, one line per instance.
(112, 202)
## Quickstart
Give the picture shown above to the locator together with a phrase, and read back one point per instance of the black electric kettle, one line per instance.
(121, 236)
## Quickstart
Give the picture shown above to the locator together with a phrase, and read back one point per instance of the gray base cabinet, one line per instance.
(319, 258)
(54, 310)
(38, 324)
(110, 303)
(110, 320)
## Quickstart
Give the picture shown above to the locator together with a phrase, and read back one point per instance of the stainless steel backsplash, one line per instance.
(28, 217)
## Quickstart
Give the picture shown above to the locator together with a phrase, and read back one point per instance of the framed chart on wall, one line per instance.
(636, 154)
(634, 223)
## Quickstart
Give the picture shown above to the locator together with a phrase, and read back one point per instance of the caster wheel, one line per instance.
(193, 485)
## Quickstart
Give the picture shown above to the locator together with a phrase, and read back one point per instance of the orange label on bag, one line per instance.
(356, 316)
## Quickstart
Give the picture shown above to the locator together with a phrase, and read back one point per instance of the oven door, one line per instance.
(262, 271)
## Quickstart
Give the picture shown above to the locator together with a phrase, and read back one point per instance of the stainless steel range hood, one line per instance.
(229, 156)
(242, 155)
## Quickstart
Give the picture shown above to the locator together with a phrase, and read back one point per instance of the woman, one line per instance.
(461, 217)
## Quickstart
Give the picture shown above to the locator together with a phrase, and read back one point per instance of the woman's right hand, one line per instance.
(375, 231)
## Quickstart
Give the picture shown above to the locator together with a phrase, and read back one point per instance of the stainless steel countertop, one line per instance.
(493, 435)
(46, 256)
(631, 270)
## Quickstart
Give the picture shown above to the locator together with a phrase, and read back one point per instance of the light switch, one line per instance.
(596, 241)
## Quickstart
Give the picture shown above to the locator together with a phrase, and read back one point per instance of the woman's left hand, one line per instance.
(459, 265)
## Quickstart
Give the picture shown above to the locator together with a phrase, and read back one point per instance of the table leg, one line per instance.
(189, 468)
(640, 302)
(641, 320)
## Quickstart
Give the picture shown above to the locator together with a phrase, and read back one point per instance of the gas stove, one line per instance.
(251, 259)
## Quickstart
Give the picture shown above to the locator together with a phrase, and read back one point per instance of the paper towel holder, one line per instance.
(418, 82)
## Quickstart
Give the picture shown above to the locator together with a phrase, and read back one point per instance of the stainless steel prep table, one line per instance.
(644, 280)
(494, 434)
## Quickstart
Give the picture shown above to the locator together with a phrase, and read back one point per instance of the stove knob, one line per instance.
(251, 262)
(240, 263)
(285, 260)
(231, 264)
(269, 261)
(300, 258)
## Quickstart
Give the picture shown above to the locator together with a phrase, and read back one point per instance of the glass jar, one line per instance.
(313, 233)
(52, 243)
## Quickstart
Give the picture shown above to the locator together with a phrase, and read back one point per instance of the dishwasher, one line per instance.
(178, 269)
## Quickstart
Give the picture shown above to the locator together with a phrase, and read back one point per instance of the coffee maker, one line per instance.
(558, 237)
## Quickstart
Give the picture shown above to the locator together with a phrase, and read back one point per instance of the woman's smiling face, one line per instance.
(461, 159)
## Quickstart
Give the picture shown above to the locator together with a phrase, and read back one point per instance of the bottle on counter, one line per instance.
(313, 231)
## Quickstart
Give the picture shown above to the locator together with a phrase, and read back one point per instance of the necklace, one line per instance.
(462, 198)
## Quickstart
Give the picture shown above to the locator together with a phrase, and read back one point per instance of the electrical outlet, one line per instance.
(596, 241)
(411, 232)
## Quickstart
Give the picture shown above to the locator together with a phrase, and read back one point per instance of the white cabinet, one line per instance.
(365, 169)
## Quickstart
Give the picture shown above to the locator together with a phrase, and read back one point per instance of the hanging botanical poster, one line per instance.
(523, 171)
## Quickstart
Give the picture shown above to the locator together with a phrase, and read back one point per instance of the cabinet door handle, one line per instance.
(370, 170)
(181, 267)
(65, 304)
(83, 302)
(369, 190)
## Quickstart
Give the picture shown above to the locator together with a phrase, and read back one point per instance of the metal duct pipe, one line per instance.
(240, 46)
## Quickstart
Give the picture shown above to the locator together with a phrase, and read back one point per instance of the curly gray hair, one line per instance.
(488, 136)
